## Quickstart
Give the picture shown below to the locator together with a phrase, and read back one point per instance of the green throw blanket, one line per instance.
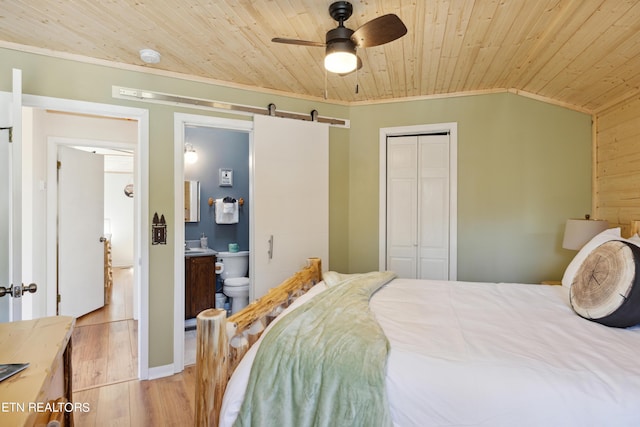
(324, 363)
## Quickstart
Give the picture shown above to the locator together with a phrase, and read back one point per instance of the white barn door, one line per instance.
(290, 211)
(418, 200)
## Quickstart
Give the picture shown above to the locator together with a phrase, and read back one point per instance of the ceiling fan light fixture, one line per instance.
(341, 57)
(341, 42)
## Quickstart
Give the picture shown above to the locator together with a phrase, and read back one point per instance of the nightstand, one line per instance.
(551, 282)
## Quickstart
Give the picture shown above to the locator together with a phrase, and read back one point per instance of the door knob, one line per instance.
(18, 291)
(31, 288)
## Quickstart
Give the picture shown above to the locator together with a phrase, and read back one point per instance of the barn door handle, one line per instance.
(270, 251)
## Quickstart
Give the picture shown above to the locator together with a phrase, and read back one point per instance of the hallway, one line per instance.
(105, 341)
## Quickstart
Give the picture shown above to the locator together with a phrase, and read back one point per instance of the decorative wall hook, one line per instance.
(158, 230)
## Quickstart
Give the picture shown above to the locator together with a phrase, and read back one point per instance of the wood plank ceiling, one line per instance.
(583, 53)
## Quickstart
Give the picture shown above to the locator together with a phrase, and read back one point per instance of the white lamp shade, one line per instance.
(578, 232)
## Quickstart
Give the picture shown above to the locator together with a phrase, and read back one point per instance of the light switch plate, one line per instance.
(226, 177)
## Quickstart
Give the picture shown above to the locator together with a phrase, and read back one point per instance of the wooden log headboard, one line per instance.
(222, 343)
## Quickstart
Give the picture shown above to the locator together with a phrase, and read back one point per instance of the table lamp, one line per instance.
(578, 232)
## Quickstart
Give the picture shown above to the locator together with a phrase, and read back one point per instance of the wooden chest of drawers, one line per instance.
(46, 345)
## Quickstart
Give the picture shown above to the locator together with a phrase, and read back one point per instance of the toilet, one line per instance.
(233, 268)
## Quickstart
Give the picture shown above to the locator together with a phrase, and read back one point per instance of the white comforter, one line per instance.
(485, 354)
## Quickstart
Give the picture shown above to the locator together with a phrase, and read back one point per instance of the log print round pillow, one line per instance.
(606, 288)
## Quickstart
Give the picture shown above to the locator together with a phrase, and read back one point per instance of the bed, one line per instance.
(459, 353)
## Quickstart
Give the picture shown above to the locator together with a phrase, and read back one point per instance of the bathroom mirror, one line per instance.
(191, 201)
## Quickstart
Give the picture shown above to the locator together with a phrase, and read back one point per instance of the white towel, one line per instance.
(226, 213)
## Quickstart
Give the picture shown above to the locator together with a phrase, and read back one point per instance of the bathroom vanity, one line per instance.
(199, 281)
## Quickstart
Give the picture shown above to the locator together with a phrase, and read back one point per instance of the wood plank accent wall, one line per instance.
(616, 192)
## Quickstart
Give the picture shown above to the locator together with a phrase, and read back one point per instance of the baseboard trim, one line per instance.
(161, 371)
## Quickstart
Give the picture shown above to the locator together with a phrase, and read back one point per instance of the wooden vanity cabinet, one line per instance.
(199, 284)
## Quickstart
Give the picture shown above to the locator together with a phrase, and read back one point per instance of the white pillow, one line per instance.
(576, 262)
(635, 239)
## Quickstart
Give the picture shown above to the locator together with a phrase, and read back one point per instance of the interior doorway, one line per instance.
(289, 170)
(106, 332)
(44, 179)
(184, 343)
(106, 171)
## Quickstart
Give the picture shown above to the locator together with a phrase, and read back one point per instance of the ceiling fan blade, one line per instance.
(381, 30)
(298, 42)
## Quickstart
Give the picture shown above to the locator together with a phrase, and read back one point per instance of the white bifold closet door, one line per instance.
(290, 212)
(418, 206)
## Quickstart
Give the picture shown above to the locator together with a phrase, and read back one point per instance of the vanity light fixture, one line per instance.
(190, 155)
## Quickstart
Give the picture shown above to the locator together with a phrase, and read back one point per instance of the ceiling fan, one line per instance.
(341, 42)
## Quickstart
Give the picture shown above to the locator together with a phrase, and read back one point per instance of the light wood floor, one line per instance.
(166, 401)
(105, 347)
(105, 364)
(121, 306)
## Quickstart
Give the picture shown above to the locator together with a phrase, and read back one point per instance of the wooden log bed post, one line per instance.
(211, 366)
(221, 343)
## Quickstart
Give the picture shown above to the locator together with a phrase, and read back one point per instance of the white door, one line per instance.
(11, 198)
(418, 206)
(290, 211)
(433, 207)
(402, 207)
(80, 231)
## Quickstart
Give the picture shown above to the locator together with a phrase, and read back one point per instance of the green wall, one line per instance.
(524, 167)
(59, 78)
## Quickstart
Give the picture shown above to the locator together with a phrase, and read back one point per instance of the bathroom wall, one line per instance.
(219, 148)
